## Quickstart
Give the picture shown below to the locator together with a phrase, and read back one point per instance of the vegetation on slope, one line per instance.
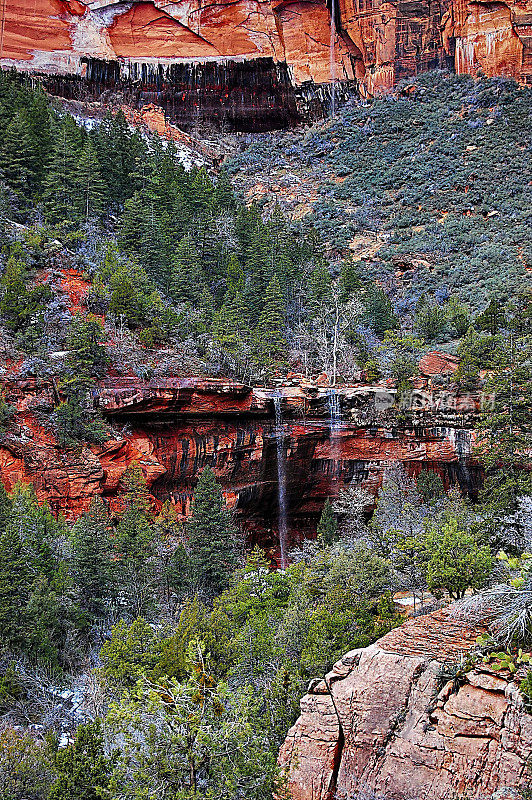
(191, 653)
(439, 172)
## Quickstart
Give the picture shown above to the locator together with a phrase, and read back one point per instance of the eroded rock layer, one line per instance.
(255, 64)
(386, 724)
(175, 427)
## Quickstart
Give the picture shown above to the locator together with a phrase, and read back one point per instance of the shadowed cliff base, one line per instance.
(248, 96)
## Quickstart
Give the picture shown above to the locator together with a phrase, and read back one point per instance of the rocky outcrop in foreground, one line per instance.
(386, 724)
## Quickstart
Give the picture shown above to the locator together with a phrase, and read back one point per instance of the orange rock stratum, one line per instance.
(376, 42)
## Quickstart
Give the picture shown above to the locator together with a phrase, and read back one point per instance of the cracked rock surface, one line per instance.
(382, 722)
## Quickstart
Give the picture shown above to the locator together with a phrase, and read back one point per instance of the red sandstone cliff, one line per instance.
(376, 41)
(384, 724)
(174, 427)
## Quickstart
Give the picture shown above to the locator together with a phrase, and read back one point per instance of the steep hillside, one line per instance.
(430, 189)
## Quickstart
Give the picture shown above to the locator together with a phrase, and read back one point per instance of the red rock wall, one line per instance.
(382, 723)
(178, 426)
(377, 41)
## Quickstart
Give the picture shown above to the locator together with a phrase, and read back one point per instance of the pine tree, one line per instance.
(270, 341)
(133, 225)
(87, 357)
(125, 300)
(119, 151)
(15, 578)
(14, 294)
(93, 566)
(229, 328)
(492, 318)
(327, 526)
(135, 538)
(212, 536)
(504, 432)
(188, 281)
(39, 532)
(59, 188)
(321, 283)
(5, 507)
(235, 276)
(379, 312)
(19, 157)
(82, 768)
(89, 186)
(259, 269)
(223, 191)
(349, 279)
(202, 193)
(430, 486)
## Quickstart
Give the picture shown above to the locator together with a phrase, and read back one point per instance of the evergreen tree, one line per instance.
(457, 562)
(259, 269)
(15, 295)
(458, 316)
(492, 318)
(430, 320)
(87, 356)
(212, 537)
(119, 151)
(350, 281)
(19, 156)
(126, 285)
(202, 193)
(188, 281)
(246, 221)
(380, 315)
(133, 225)
(229, 327)
(93, 566)
(82, 768)
(504, 433)
(39, 532)
(320, 283)
(235, 276)
(223, 191)
(327, 526)
(270, 341)
(5, 507)
(15, 580)
(135, 541)
(60, 191)
(89, 186)
(430, 486)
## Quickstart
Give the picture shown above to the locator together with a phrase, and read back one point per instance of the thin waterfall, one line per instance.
(281, 476)
(332, 57)
(335, 418)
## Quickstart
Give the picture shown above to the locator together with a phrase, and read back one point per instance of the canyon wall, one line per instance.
(391, 723)
(256, 64)
(175, 427)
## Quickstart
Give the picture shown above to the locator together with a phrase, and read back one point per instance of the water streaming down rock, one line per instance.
(335, 421)
(281, 477)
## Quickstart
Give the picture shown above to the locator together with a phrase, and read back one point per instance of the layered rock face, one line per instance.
(385, 724)
(256, 64)
(175, 427)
